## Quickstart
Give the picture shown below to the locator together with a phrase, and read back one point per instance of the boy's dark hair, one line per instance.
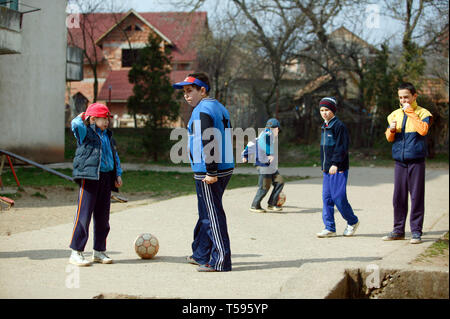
(202, 77)
(407, 86)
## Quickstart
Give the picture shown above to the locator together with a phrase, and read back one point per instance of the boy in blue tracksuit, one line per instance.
(335, 164)
(96, 168)
(266, 160)
(211, 156)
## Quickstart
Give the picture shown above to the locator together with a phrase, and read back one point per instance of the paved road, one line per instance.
(275, 255)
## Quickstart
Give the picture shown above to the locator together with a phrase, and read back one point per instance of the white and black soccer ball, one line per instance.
(146, 246)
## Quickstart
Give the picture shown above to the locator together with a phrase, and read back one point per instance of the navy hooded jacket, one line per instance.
(334, 143)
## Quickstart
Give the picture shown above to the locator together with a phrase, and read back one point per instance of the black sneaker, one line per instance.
(394, 236)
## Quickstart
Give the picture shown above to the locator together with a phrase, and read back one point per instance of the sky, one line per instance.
(149, 5)
(374, 30)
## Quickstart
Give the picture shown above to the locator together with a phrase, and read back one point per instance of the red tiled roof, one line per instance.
(180, 27)
(121, 88)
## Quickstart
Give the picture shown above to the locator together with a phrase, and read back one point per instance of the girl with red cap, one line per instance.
(96, 168)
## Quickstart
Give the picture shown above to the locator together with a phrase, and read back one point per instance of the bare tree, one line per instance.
(271, 33)
(86, 38)
(216, 51)
(276, 31)
(424, 22)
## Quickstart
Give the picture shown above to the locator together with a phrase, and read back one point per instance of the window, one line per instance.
(182, 66)
(129, 57)
(13, 4)
(132, 27)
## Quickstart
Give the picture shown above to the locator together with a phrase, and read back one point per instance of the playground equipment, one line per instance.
(8, 155)
(8, 202)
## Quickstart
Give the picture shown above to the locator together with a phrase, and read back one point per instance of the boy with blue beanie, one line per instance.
(334, 144)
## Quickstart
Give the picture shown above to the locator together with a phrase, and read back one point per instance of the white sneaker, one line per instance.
(350, 230)
(77, 259)
(101, 257)
(274, 208)
(326, 233)
(257, 210)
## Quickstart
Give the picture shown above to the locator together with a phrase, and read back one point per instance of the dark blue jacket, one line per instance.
(87, 160)
(334, 143)
(408, 144)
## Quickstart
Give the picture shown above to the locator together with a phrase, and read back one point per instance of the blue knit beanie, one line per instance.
(329, 102)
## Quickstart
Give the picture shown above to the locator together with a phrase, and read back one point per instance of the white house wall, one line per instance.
(32, 86)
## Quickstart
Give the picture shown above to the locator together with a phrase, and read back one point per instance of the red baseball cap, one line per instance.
(97, 110)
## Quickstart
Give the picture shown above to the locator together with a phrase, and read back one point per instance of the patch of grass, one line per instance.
(438, 248)
(13, 196)
(130, 148)
(35, 177)
(39, 195)
(176, 184)
(158, 183)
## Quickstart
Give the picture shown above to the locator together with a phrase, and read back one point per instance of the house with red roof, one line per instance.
(111, 39)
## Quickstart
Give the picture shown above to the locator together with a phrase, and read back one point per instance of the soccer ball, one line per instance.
(281, 199)
(146, 246)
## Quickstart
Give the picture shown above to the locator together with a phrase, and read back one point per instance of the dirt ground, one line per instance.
(438, 261)
(39, 207)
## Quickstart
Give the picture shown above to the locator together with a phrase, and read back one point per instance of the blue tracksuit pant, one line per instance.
(334, 192)
(94, 199)
(211, 243)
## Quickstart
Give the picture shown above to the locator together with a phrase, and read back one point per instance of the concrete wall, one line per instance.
(10, 36)
(32, 86)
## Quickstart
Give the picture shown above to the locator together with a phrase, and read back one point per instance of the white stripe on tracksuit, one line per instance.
(214, 225)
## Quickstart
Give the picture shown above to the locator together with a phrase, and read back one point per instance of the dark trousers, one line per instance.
(264, 183)
(409, 178)
(211, 243)
(94, 199)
